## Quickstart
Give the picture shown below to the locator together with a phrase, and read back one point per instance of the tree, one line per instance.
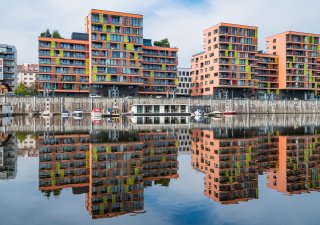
(46, 34)
(163, 43)
(21, 90)
(56, 34)
(33, 89)
(21, 136)
(163, 182)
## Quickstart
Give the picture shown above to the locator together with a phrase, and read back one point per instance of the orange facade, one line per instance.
(111, 168)
(159, 70)
(228, 61)
(267, 73)
(231, 62)
(116, 41)
(63, 66)
(298, 168)
(116, 63)
(298, 53)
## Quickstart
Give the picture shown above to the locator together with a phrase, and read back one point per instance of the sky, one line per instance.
(182, 21)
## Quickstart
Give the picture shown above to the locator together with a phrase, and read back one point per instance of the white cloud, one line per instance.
(181, 21)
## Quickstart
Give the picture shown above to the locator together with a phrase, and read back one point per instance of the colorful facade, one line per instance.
(227, 66)
(63, 161)
(111, 62)
(231, 65)
(116, 41)
(159, 70)
(298, 169)
(267, 73)
(63, 66)
(112, 167)
(298, 67)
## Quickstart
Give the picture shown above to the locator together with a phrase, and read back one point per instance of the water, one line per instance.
(228, 171)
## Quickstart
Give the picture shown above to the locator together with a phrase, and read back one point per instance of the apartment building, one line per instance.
(267, 74)
(298, 66)
(159, 70)
(27, 74)
(116, 41)
(112, 61)
(64, 66)
(184, 77)
(8, 68)
(226, 68)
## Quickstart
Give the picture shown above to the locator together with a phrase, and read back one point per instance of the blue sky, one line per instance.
(182, 21)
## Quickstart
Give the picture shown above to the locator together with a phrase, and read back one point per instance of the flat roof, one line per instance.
(200, 53)
(294, 32)
(116, 13)
(232, 25)
(160, 48)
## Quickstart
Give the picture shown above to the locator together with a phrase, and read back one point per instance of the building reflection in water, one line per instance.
(111, 167)
(8, 156)
(232, 160)
(114, 167)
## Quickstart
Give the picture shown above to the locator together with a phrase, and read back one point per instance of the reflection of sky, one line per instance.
(181, 203)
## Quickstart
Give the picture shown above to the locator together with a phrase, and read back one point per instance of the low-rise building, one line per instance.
(27, 74)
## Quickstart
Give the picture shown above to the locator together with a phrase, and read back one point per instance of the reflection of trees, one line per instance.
(163, 182)
(47, 194)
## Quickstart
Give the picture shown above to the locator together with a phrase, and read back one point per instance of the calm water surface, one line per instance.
(231, 171)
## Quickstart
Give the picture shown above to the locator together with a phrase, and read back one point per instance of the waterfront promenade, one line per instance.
(27, 105)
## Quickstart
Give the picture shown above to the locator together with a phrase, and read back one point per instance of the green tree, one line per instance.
(33, 89)
(46, 34)
(21, 136)
(21, 90)
(163, 182)
(56, 34)
(163, 43)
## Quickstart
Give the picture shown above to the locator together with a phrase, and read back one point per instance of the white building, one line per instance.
(27, 74)
(184, 76)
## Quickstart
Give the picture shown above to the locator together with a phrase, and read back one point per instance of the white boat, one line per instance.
(214, 114)
(46, 114)
(65, 114)
(77, 114)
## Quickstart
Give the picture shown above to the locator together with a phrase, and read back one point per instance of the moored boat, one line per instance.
(77, 114)
(96, 112)
(229, 113)
(65, 114)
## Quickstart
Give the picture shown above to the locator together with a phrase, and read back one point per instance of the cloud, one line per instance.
(182, 21)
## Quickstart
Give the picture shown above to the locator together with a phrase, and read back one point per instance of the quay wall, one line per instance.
(27, 105)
